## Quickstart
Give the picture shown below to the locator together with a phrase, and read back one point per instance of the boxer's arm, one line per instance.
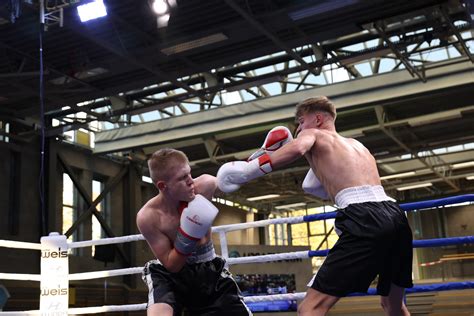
(205, 185)
(295, 149)
(232, 175)
(161, 246)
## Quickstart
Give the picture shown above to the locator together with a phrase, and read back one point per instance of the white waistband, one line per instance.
(365, 193)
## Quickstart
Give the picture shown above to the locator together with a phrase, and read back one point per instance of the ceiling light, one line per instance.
(263, 197)
(160, 6)
(463, 165)
(470, 178)
(162, 21)
(415, 186)
(92, 10)
(398, 175)
(203, 41)
(146, 179)
(280, 207)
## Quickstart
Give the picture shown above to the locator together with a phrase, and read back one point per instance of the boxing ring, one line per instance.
(54, 278)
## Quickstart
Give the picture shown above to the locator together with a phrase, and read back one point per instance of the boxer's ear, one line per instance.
(161, 185)
(319, 119)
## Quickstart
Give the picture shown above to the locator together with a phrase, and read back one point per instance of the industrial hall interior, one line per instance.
(237, 157)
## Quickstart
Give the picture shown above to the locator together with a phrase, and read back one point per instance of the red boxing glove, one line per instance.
(276, 138)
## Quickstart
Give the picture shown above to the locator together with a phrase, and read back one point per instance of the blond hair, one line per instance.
(317, 104)
(162, 161)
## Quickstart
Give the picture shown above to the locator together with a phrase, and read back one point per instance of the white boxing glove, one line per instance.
(233, 174)
(276, 138)
(313, 186)
(196, 219)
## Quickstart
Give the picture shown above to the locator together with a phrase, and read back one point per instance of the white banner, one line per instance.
(54, 297)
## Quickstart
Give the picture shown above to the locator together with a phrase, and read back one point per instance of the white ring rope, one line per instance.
(138, 270)
(105, 241)
(20, 277)
(107, 308)
(21, 313)
(275, 297)
(20, 244)
(137, 237)
(268, 258)
(74, 276)
(88, 310)
(139, 307)
(104, 274)
(217, 229)
(262, 223)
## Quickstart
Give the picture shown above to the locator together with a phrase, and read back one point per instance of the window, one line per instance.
(315, 233)
(69, 206)
(4, 129)
(97, 230)
(277, 233)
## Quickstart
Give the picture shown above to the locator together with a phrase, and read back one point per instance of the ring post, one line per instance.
(224, 249)
(54, 297)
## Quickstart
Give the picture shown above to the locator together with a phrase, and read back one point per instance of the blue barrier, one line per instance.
(290, 305)
(427, 288)
(272, 306)
(425, 243)
(406, 207)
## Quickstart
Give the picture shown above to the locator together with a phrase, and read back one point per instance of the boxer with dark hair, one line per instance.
(375, 238)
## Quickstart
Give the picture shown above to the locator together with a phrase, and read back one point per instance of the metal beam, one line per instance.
(239, 69)
(397, 84)
(411, 69)
(92, 210)
(458, 35)
(257, 25)
(212, 147)
(22, 74)
(26, 89)
(48, 66)
(106, 45)
(381, 120)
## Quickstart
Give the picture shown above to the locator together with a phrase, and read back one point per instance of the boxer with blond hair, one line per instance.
(176, 224)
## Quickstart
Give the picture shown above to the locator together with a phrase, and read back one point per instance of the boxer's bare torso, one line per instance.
(340, 162)
(161, 219)
(158, 220)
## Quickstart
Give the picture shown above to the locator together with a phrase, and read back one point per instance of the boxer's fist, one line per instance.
(196, 219)
(313, 186)
(276, 138)
(233, 174)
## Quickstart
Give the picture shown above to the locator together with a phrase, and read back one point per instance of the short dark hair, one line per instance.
(317, 104)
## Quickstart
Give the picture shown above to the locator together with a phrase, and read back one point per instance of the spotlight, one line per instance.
(162, 20)
(160, 7)
(92, 10)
